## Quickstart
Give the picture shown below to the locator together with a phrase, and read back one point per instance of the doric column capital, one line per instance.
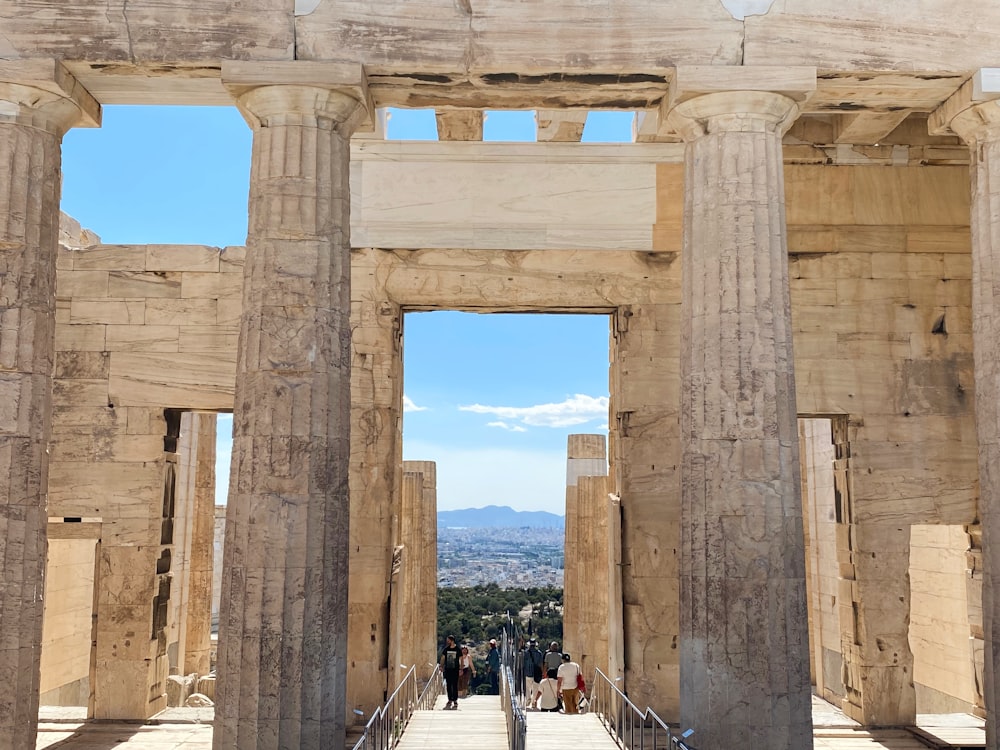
(736, 98)
(43, 94)
(287, 93)
(733, 112)
(973, 112)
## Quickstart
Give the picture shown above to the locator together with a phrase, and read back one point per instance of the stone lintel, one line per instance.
(690, 81)
(982, 87)
(560, 125)
(50, 76)
(867, 128)
(459, 124)
(240, 77)
(60, 529)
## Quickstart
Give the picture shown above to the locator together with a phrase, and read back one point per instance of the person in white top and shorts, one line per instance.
(567, 676)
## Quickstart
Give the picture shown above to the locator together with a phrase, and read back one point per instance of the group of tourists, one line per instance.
(552, 680)
(459, 668)
(549, 681)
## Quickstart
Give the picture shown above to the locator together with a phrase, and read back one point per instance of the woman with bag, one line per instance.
(547, 695)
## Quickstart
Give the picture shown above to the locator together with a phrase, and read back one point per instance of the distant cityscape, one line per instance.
(511, 556)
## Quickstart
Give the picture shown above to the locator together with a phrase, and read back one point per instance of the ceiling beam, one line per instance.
(459, 124)
(560, 125)
(866, 128)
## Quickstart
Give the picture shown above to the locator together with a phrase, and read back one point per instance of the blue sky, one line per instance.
(490, 398)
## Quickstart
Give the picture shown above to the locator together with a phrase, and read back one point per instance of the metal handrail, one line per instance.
(630, 727)
(383, 730)
(517, 722)
(432, 690)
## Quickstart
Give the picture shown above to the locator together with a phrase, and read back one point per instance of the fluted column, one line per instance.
(978, 124)
(586, 456)
(426, 637)
(283, 624)
(744, 636)
(39, 102)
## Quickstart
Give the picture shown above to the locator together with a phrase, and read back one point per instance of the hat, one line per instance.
(532, 642)
(566, 657)
(554, 643)
(493, 641)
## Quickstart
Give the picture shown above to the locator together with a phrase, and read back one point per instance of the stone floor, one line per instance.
(479, 720)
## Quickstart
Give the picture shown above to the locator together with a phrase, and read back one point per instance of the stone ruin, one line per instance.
(795, 256)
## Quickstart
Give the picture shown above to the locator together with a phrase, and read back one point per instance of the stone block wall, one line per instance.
(140, 329)
(68, 623)
(940, 636)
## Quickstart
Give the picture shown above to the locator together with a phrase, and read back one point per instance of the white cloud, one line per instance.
(578, 409)
(505, 426)
(408, 405)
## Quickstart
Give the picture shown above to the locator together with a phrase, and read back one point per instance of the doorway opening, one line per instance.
(491, 402)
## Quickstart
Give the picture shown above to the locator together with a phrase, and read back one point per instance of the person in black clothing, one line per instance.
(450, 662)
(532, 668)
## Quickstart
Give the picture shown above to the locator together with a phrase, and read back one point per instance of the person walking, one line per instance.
(493, 667)
(450, 661)
(533, 658)
(553, 658)
(567, 676)
(467, 670)
(546, 696)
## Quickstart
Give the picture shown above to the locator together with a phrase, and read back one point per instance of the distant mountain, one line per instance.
(499, 516)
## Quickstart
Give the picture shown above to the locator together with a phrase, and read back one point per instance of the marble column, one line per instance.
(39, 102)
(283, 625)
(978, 124)
(593, 583)
(410, 588)
(427, 639)
(197, 644)
(744, 634)
(586, 456)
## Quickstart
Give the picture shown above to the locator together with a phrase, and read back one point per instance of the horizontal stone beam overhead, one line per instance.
(867, 127)
(506, 196)
(560, 125)
(509, 35)
(459, 124)
(53, 78)
(983, 86)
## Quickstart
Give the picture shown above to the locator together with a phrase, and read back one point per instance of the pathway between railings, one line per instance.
(478, 724)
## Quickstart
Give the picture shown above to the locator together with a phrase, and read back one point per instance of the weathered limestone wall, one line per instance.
(138, 329)
(943, 669)
(880, 302)
(68, 623)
